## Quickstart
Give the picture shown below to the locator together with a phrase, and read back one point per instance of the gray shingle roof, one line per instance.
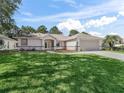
(6, 38)
(57, 36)
(62, 37)
(83, 36)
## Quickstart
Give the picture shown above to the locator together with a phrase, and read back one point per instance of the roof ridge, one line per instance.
(5, 37)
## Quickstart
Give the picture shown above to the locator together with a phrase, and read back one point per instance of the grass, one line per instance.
(120, 51)
(35, 72)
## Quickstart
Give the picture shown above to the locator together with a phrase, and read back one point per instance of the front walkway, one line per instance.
(108, 54)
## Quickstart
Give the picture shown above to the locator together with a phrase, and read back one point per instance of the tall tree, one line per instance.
(42, 29)
(25, 30)
(55, 30)
(1, 29)
(111, 40)
(73, 32)
(14, 31)
(7, 9)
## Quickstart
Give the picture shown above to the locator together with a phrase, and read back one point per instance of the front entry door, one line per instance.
(49, 44)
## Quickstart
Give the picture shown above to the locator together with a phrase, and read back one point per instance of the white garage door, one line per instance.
(89, 45)
(71, 45)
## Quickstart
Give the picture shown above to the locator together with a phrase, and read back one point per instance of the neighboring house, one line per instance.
(123, 41)
(7, 43)
(78, 42)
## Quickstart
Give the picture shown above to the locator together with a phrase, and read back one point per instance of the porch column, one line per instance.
(100, 44)
(43, 44)
(55, 44)
(78, 45)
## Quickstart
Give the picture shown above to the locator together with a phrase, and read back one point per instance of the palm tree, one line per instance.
(111, 40)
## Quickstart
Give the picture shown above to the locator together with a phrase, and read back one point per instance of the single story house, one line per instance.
(7, 43)
(123, 41)
(78, 42)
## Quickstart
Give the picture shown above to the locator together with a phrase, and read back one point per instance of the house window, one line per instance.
(8, 45)
(24, 42)
(16, 45)
(45, 44)
(58, 44)
(1, 42)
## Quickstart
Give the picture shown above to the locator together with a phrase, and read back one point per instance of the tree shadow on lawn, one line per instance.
(52, 73)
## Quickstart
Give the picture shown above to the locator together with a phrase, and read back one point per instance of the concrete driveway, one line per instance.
(106, 54)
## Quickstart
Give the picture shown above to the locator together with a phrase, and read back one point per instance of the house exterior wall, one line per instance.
(75, 44)
(48, 37)
(61, 45)
(71, 45)
(31, 44)
(34, 42)
(39, 44)
(123, 41)
(90, 45)
(8, 45)
(12, 45)
(80, 45)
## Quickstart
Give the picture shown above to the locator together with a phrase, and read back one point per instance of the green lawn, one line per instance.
(35, 72)
(120, 51)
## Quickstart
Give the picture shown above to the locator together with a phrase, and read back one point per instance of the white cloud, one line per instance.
(101, 22)
(96, 34)
(71, 24)
(121, 13)
(112, 6)
(27, 14)
(53, 6)
(71, 3)
(116, 33)
(113, 33)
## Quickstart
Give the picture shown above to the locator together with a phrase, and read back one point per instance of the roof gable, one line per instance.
(83, 36)
(48, 36)
(59, 37)
(88, 36)
(6, 38)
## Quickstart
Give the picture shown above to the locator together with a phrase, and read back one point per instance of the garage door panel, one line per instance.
(89, 45)
(71, 45)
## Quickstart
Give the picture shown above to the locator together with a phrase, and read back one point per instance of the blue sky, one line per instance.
(97, 17)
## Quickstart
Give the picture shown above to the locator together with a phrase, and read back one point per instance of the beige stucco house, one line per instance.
(78, 42)
(7, 43)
